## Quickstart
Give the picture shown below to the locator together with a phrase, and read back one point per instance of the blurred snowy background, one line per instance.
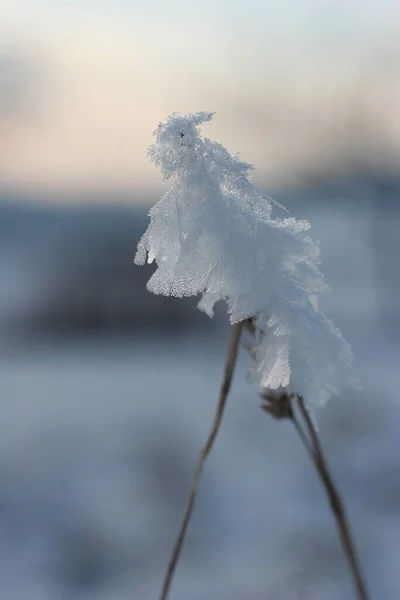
(107, 391)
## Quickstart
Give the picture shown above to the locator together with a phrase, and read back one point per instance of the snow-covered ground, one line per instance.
(99, 435)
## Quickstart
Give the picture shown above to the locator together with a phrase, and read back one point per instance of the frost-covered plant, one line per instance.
(214, 233)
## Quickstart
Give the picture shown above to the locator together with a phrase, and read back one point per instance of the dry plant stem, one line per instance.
(230, 363)
(316, 452)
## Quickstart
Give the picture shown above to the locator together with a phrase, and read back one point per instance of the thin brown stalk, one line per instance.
(230, 363)
(314, 448)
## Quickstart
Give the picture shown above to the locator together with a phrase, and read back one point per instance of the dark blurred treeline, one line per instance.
(68, 270)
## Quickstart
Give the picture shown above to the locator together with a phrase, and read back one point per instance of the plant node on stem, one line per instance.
(280, 405)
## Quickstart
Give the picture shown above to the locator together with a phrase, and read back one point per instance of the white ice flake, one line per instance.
(213, 233)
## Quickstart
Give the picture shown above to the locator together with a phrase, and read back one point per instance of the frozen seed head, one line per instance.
(213, 233)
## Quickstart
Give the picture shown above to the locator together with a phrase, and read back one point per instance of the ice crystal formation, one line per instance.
(213, 233)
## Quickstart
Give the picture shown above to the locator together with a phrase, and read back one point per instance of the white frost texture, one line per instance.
(213, 233)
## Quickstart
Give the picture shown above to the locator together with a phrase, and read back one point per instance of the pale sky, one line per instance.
(84, 83)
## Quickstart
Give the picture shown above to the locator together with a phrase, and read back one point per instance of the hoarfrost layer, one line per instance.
(213, 233)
